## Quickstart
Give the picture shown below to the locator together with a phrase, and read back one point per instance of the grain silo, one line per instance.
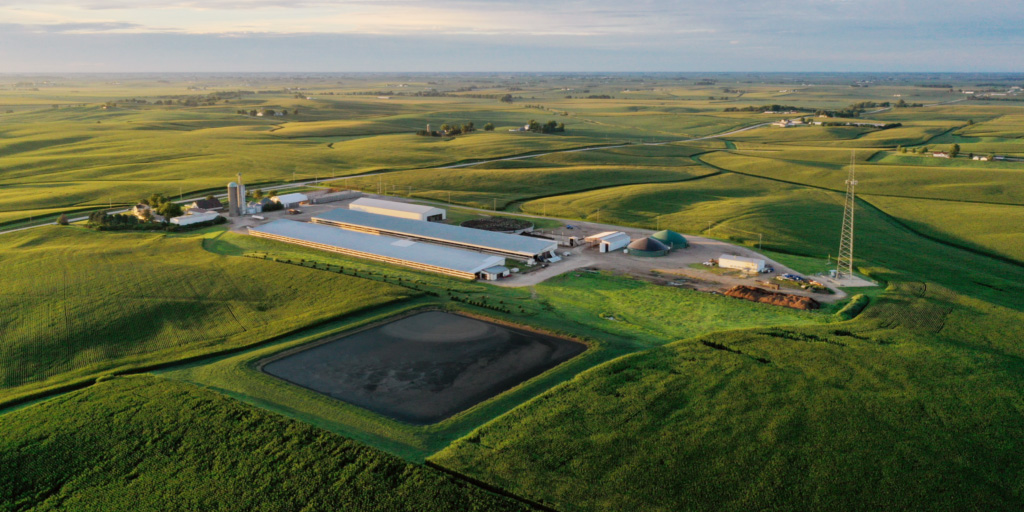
(233, 199)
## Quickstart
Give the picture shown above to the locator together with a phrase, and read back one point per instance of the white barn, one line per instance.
(194, 218)
(397, 209)
(290, 200)
(608, 241)
(741, 263)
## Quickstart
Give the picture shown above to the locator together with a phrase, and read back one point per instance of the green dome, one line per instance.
(671, 238)
(647, 247)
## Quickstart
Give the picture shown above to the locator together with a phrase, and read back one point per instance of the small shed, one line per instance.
(608, 241)
(290, 200)
(647, 248)
(672, 239)
(494, 273)
(741, 263)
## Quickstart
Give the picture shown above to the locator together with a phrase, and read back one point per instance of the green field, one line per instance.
(783, 418)
(76, 303)
(141, 443)
(684, 400)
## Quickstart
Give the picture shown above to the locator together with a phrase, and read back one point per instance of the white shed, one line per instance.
(609, 240)
(290, 200)
(741, 263)
(397, 209)
(195, 218)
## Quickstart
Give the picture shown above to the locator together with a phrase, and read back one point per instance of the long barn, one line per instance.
(501, 244)
(397, 251)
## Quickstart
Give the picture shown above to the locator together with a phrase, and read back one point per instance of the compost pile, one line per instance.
(774, 298)
(498, 224)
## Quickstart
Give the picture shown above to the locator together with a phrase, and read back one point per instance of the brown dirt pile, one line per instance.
(774, 298)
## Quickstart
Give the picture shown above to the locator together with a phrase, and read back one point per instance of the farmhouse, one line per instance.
(141, 211)
(397, 251)
(510, 246)
(194, 218)
(940, 154)
(290, 200)
(741, 263)
(397, 209)
(608, 241)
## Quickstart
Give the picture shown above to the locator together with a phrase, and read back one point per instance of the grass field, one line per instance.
(143, 443)
(76, 303)
(782, 418)
(683, 401)
(988, 227)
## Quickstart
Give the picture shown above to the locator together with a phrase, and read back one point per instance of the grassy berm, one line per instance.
(915, 405)
(144, 443)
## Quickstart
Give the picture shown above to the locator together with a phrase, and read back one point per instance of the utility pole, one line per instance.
(759, 241)
(449, 197)
(495, 207)
(844, 261)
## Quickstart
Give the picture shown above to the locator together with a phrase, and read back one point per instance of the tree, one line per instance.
(62, 220)
(257, 194)
(954, 151)
(210, 197)
(506, 98)
(489, 127)
(970, 122)
(901, 103)
(170, 209)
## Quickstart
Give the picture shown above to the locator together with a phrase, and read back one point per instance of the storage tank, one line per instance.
(233, 208)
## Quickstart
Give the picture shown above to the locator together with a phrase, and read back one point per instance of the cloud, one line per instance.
(662, 34)
(70, 28)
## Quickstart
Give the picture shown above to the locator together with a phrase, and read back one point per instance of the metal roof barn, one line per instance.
(290, 200)
(502, 244)
(397, 251)
(194, 218)
(397, 209)
(608, 241)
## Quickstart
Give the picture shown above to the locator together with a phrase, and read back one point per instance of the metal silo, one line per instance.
(233, 199)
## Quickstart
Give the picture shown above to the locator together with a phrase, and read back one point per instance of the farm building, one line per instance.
(741, 263)
(290, 200)
(397, 209)
(608, 241)
(494, 273)
(397, 251)
(647, 248)
(195, 218)
(672, 239)
(142, 211)
(213, 204)
(510, 246)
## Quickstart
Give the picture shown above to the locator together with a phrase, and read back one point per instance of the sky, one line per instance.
(500, 35)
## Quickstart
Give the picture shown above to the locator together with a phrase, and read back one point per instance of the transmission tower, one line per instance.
(844, 262)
